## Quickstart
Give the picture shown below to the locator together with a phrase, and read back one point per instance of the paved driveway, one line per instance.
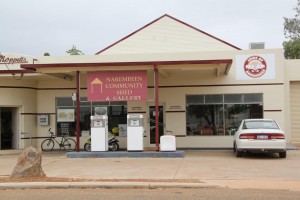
(214, 166)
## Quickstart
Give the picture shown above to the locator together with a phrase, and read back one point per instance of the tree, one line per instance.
(292, 49)
(292, 32)
(74, 51)
(46, 54)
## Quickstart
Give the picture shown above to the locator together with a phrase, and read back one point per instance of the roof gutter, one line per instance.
(110, 64)
(26, 71)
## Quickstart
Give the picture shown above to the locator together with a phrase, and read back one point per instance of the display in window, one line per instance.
(100, 110)
(64, 129)
(65, 115)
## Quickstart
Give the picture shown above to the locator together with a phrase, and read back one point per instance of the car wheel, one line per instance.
(282, 154)
(237, 152)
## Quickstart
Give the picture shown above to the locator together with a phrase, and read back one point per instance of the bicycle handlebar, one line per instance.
(51, 133)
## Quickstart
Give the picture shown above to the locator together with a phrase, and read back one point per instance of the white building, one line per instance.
(204, 88)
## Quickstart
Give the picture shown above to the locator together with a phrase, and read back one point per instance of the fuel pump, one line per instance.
(99, 133)
(135, 132)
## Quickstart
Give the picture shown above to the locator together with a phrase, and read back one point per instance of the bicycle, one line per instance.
(68, 144)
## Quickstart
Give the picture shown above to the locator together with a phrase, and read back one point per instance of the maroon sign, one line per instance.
(117, 86)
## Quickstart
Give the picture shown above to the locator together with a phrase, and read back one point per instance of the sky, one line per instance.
(33, 27)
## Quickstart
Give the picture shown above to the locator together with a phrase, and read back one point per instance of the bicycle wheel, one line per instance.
(47, 145)
(69, 144)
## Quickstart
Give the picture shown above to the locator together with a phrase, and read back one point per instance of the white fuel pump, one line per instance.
(99, 133)
(135, 132)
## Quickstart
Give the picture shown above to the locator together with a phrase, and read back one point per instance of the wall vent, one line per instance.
(257, 45)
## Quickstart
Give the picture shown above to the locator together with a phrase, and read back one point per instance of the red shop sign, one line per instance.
(117, 86)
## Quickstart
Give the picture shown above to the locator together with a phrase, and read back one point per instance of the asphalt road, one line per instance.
(147, 194)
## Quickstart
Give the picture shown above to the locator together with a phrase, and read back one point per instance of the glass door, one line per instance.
(152, 126)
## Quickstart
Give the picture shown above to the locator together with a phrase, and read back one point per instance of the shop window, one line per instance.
(204, 120)
(117, 115)
(66, 115)
(235, 113)
(209, 99)
(195, 99)
(233, 98)
(64, 101)
(254, 98)
(221, 114)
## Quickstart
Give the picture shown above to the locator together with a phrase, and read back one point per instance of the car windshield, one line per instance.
(260, 125)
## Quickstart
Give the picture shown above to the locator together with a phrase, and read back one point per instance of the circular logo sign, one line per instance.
(255, 66)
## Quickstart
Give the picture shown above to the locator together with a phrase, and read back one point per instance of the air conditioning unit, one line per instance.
(100, 110)
(257, 45)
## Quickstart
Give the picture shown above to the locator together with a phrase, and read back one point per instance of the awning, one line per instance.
(219, 66)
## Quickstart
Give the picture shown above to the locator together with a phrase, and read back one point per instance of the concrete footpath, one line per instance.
(198, 169)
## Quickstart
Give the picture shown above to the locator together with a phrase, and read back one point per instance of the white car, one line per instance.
(259, 136)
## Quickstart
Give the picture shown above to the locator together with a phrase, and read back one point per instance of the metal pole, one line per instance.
(156, 108)
(77, 111)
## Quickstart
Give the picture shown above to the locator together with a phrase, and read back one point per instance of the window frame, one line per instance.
(190, 101)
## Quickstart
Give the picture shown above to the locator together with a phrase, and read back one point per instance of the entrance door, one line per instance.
(152, 122)
(8, 127)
